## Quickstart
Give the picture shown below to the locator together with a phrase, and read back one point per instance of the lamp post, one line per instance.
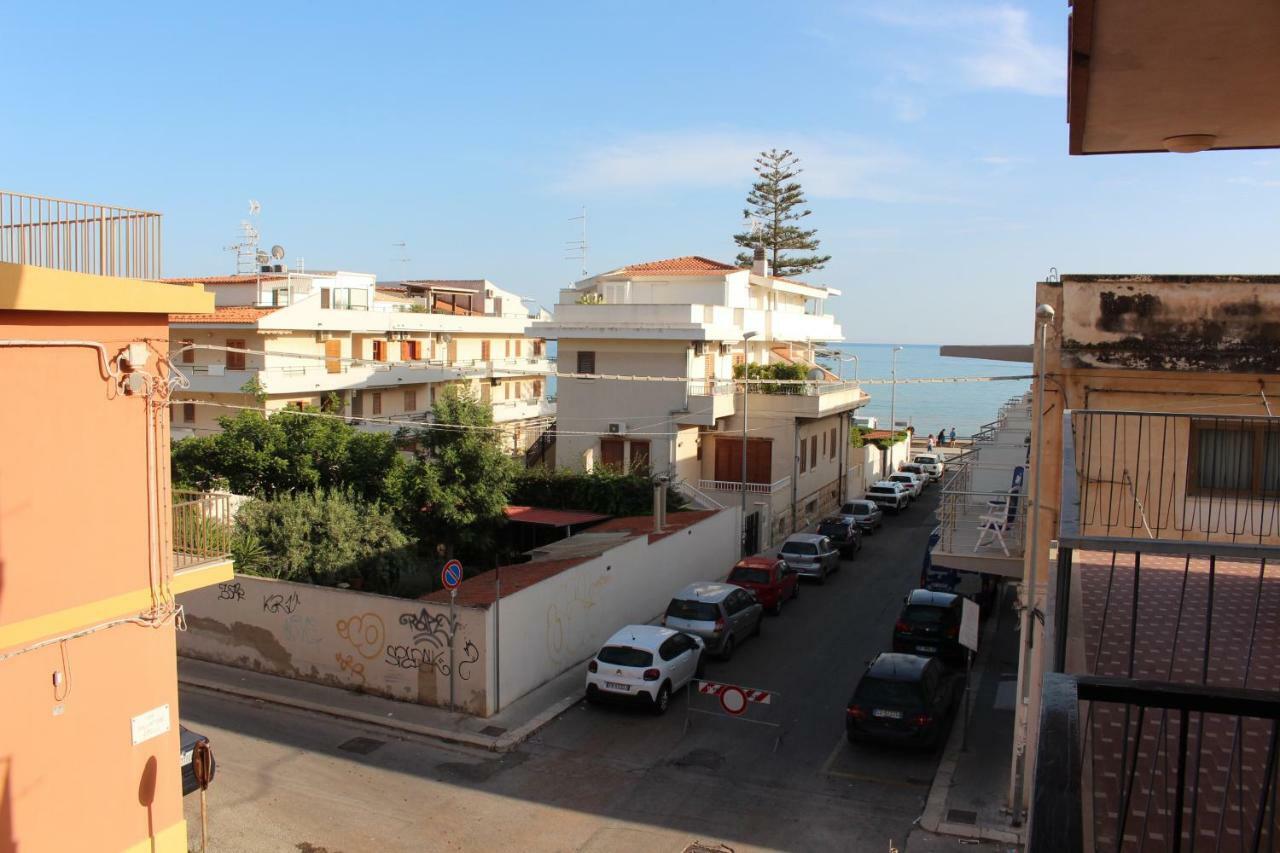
(746, 394)
(893, 393)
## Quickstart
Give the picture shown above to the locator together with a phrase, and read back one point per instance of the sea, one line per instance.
(930, 406)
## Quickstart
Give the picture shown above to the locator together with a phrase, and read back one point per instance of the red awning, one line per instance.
(551, 517)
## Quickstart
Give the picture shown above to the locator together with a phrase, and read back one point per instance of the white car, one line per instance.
(645, 663)
(889, 495)
(932, 463)
(918, 470)
(914, 482)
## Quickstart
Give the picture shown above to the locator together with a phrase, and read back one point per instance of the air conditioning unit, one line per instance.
(617, 428)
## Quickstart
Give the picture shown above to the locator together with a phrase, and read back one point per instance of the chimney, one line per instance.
(759, 266)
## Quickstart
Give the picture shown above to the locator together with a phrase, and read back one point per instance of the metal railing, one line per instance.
(201, 528)
(711, 387)
(738, 486)
(697, 496)
(1160, 716)
(990, 523)
(79, 236)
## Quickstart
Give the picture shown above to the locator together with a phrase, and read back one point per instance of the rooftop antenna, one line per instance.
(246, 248)
(578, 248)
(404, 261)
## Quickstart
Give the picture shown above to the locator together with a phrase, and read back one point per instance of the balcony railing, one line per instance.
(79, 236)
(202, 524)
(1160, 716)
(738, 486)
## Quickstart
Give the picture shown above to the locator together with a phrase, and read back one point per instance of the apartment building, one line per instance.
(94, 544)
(647, 356)
(382, 352)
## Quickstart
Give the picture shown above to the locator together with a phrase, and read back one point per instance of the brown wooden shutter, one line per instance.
(813, 452)
(325, 296)
(804, 455)
(189, 413)
(410, 400)
(759, 460)
(235, 360)
(586, 361)
(333, 356)
(377, 402)
(611, 453)
(484, 350)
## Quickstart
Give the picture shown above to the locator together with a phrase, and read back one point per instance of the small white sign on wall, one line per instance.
(150, 724)
(969, 624)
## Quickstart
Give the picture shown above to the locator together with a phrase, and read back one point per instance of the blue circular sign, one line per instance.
(452, 574)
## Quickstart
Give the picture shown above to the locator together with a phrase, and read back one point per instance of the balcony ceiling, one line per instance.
(1145, 70)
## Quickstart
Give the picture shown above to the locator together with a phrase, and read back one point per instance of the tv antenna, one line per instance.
(403, 260)
(578, 248)
(246, 248)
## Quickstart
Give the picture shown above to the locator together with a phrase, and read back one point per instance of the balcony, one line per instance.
(316, 377)
(77, 236)
(507, 411)
(1160, 713)
(806, 399)
(708, 401)
(641, 321)
(201, 529)
(737, 486)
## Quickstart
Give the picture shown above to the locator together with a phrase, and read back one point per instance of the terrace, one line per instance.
(78, 236)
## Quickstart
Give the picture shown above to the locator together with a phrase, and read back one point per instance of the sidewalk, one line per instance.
(967, 800)
(499, 733)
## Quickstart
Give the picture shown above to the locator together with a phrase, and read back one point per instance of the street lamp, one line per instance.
(893, 393)
(746, 393)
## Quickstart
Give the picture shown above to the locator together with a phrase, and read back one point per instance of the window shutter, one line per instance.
(586, 361)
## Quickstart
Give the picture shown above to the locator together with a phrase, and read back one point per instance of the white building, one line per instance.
(681, 326)
(383, 351)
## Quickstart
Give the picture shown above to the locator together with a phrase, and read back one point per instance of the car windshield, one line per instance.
(745, 575)
(925, 460)
(878, 691)
(800, 548)
(921, 614)
(694, 611)
(833, 528)
(625, 656)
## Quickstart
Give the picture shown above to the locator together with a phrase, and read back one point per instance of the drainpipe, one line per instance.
(795, 478)
(1017, 773)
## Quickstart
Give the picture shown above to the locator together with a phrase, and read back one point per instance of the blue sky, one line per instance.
(933, 136)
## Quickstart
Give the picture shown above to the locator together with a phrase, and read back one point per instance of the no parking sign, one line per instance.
(451, 575)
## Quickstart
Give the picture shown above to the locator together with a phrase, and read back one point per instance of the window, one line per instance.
(350, 298)
(833, 442)
(537, 347)
(188, 354)
(188, 413)
(824, 444)
(484, 350)
(235, 360)
(1233, 457)
(625, 656)
(377, 402)
(410, 400)
(804, 455)
(640, 456)
(729, 459)
(506, 347)
(537, 388)
(693, 611)
(611, 453)
(813, 452)
(586, 361)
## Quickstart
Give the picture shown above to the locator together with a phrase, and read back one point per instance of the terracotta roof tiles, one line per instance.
(246, 314)
(214, 280)
(687, 265)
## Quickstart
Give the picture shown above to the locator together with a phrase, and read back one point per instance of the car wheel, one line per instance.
(727, 651)
(663, 700)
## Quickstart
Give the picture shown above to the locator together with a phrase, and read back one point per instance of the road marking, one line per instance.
(842, 744)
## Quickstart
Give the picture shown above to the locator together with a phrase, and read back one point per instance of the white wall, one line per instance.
(554, 625)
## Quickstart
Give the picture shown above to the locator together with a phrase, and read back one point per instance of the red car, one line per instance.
(771, 579)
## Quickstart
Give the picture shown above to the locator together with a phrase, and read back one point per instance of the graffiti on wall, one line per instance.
(365, 632)
(230, 591)
(275, 602)
(568, 622)
(431, 628)
(412, 657)
(300, 628)
(347, 663)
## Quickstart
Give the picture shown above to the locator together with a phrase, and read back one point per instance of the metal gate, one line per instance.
(751, 534)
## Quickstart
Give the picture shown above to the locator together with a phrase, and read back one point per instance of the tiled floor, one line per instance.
(1226, 756)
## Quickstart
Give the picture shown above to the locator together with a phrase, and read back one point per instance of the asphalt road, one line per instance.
(604, 779)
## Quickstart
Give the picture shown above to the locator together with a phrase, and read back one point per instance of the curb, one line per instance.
(504, 743)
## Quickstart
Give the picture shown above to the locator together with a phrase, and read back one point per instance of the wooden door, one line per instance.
(453, 352)
(484, 350)
(611, 453)
(333, 356)
(235, 360)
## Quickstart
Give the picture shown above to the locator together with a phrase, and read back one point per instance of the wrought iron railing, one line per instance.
(79, 236)
(201, 527)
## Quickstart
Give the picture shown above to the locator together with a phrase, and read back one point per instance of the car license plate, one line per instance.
(613, 685)
(926, 648)
(886, 714)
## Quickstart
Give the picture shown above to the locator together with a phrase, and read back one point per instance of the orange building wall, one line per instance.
(73, 533)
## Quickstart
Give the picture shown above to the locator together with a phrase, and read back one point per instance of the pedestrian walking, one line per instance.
(942, 436)
(931, 442)
(953, 436)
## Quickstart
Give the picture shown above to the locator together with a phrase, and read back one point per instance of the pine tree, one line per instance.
(774, 200)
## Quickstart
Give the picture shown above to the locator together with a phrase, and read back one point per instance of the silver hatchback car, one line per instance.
(722, 614)
(811, 555)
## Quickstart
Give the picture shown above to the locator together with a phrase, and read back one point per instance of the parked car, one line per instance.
(932, 463)
(844, 533)
(918, 470)
(187, 741)
(889, 495)
(722, 614)
(811, 554)
(902, 699)
(771, 580)
(930, 625)
(868, 516)
(644, 663)
(913, 482)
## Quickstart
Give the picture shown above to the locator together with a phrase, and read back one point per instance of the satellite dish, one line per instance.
(277, 252)
(446, 338)
(254, 207)
(816, 374)
(262, 257)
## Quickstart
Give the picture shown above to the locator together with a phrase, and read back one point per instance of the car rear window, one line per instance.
(694, 611)
(923, 614)
(882, 490)
(749, 576)
(800, 548)
(901, 478)
(925, 460)
(833, 528)
(878, 691)
(625, 656)
(859, 508)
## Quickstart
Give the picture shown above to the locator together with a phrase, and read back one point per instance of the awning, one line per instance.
(551, 517)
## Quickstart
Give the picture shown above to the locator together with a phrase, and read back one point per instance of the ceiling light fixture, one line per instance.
(1190, 143)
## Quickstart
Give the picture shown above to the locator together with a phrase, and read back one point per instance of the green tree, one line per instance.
(457, 493)
(775, 203)
(323, 537)
(601, 490)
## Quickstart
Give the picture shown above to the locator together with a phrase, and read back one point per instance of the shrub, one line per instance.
(604, 490)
